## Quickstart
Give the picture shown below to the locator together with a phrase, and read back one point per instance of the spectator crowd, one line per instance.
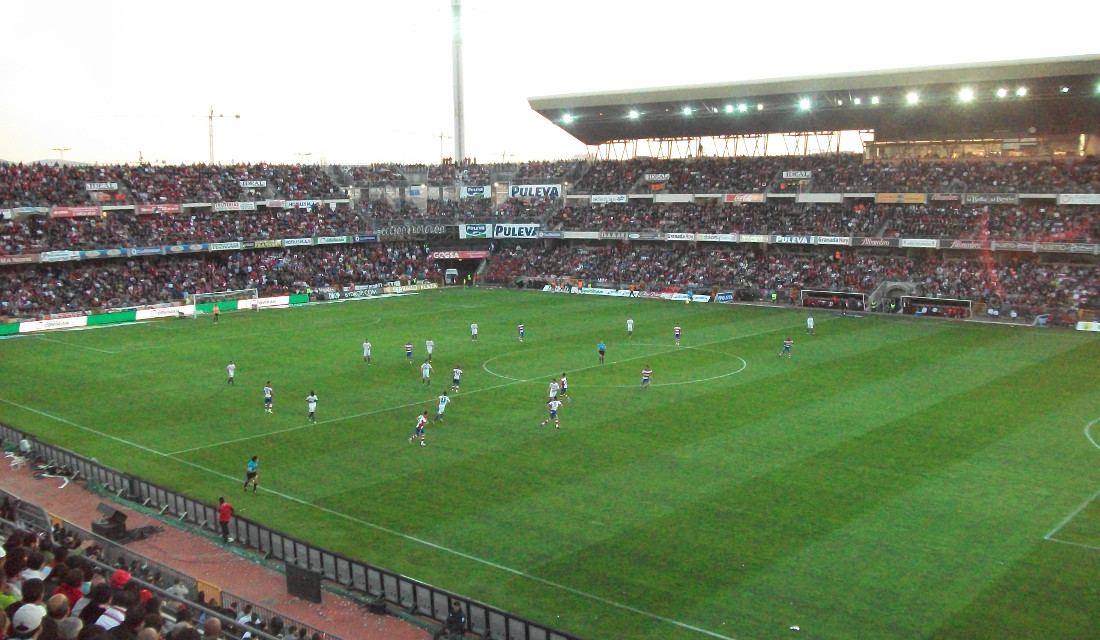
(58, 587)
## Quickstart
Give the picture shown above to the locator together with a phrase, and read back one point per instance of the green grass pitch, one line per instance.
(895, 478)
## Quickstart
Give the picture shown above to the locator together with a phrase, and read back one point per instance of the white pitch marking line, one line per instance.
(1086, 503)
(76, 346)
(393, 532)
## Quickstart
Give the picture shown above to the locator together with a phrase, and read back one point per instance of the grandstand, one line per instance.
(975, 193)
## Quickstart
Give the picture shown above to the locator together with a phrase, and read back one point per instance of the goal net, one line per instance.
(204, 302)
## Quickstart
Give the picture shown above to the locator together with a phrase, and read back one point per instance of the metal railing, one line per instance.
(357, 577)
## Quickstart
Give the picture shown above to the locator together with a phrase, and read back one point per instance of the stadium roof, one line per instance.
(1048, 96)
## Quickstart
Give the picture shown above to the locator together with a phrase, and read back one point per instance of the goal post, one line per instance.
(204, 302)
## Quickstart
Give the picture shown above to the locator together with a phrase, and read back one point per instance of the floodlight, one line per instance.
(856, 101)
(567, 118)
(1021, 92)
(912, 97)
(966, 94)
(687, 111)
(1002, 92)
(804, 104)
(874, 99)
(729, 108)
(840, 103)
(742, 107)
(760, 107)
(1065, 89)
(634, 114)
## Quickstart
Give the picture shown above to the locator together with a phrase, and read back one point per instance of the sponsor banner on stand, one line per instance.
(103, 253)
(833, 240)
(919, 243)
(674, 197)
(1088, 326)
(516, 231)
(1079, 198)
(332, 240)
(607, 199)
(225, 246)
(147, 251)
(612, 235)
(875, 242)
(301, 204)
(753, 237)
(551, 234)
(75, 212)
(684, 297)
(297, 242)
(101, 186)
(424, 286)
(6, 214)
(186, 248)
(475, 192)
(645, 235)
(23, 258)
(360, 237)
(831, 198)
(743, 197)
(792, 239)
(412, 230)
(946, 197)
(716, 237)
(901, 198)
(797, 175)
(234, 206)
(1064, 247)
(690, 237)
(656, 177)
(53, 323)
(153, 313)
(253, 184)
(275, 204)
(524, 191)
(581, 235)
(458, 255)
(479, 231)
(157, 209)
(1013, 245)
(59, 256)
(972, 245)
(725, 297)
(990, 198)
(267, 244)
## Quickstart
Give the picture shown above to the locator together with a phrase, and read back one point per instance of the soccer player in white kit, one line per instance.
(443, 401)
(311, 404)
(810, 325)
(429, 346)
(473, 331)
(366, 351)
(426, 373)
(230, 370)
(629, 327)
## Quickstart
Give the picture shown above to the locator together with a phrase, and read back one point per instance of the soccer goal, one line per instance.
(204, 302)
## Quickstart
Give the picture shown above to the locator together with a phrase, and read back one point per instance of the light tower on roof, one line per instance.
(456, 73)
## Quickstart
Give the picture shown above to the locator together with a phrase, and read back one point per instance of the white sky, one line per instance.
(359, 81)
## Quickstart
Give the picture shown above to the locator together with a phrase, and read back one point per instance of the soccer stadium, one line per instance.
(812, 357)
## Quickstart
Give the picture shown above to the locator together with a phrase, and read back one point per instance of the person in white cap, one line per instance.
(27, 621)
